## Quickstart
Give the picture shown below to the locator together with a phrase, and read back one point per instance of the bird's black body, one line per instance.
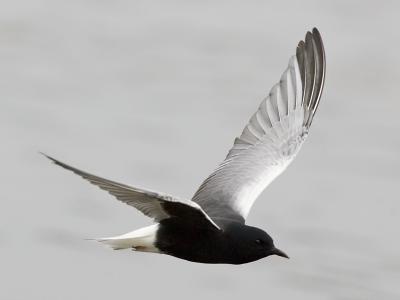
(235, 243)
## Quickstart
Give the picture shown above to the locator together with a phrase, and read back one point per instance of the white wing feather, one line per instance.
(271, 139)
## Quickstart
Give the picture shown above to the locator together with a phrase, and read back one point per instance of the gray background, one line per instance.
(152, 93)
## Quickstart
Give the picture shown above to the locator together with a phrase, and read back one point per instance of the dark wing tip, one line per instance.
(310, 56)
(61, 164)
(320, 47)
(315, 31)
(48, 156)
(318, 41)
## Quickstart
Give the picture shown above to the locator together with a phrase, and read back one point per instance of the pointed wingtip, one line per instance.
(48, 157)
(315, 30)
(318, 39)
(59, 163)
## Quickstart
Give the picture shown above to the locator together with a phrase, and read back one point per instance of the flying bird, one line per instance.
(211, 228)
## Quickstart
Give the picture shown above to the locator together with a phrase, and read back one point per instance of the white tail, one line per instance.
(142, 239)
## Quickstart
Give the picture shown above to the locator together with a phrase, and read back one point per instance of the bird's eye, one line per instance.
(259, 242)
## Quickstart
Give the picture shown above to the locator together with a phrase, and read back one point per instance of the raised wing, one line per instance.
(271, 139)
(154, 205)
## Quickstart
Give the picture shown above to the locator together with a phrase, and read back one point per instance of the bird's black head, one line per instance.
(254, 243)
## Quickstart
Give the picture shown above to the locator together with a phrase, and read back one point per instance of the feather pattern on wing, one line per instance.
(152, 204)
(271, 139)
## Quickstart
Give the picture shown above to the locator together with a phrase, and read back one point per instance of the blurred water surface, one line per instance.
(152, 93)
